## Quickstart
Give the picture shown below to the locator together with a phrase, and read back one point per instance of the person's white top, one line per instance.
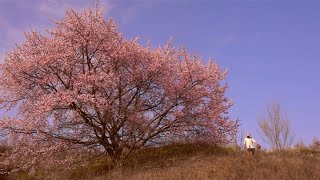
(249, 142)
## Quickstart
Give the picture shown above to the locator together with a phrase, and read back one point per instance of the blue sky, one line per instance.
(270, 47)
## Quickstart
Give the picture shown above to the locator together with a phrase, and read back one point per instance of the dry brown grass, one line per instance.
(285, 165)
(190, 161)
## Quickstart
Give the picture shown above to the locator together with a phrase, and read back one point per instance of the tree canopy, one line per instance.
(84, 85)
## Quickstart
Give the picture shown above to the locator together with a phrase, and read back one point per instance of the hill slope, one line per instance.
(189, 161)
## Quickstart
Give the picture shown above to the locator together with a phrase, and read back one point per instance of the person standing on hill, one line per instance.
(249, 143)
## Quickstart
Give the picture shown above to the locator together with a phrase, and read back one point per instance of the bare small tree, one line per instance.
(237, 136)
(276, 128)
(239, 139)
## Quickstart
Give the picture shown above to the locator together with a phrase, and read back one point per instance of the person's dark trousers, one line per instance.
(251, 150)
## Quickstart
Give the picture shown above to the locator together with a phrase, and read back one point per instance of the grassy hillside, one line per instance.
(190, 161)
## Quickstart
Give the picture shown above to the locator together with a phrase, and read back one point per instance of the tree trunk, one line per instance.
(115, 156)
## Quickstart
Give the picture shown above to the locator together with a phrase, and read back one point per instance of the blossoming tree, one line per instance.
(83, 85)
